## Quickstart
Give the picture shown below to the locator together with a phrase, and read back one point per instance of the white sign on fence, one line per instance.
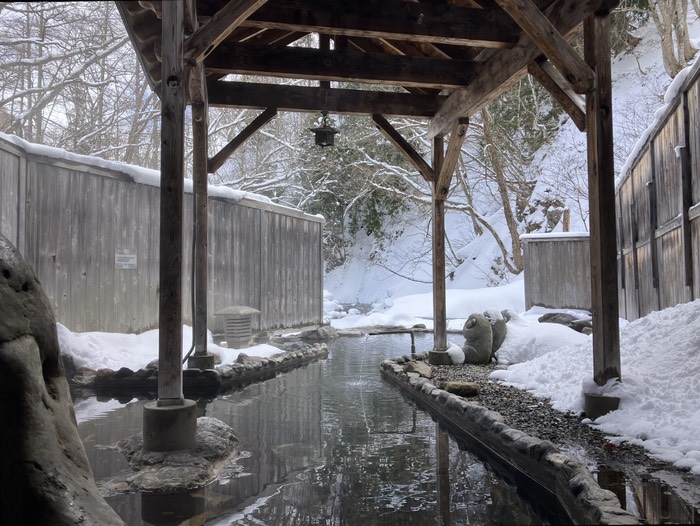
(124, 259)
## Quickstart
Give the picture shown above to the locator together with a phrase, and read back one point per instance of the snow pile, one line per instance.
(415, 309)
(103, 350)
(660, 391)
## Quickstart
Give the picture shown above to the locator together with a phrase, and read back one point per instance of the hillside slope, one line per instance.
(377, 273)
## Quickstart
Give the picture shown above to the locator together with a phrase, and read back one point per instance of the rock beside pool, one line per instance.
(464, 389)
(173, 471)
(45, 475)
(421, 368)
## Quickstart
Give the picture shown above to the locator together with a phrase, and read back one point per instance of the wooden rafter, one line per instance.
(499, 71)
(548, 39)
(235, 143)
(206, 37)
(550, 78)
(404, 147)
(403, 21)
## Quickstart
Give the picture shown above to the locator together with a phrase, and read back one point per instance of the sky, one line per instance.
(660, 353)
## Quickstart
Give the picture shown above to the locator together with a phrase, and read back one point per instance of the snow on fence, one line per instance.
(557, 270)
(90, 230)
(658, 207)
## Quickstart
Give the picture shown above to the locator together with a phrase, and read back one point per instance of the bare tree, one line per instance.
(671, 20)
(69, 78)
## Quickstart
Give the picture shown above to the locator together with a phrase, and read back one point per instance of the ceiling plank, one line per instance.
(506, 67)
(551, 43)
(550, 78)
(419, 22)
(404, 147)
(220, 158)
(206, 37)
(314, 64)
(228, 94)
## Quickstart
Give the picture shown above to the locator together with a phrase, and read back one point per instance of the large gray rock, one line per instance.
(478, 334)
(45, 477)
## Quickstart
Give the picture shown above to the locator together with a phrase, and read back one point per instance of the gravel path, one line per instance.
(536, 417)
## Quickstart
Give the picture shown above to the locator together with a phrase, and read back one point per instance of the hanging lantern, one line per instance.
(325, 133)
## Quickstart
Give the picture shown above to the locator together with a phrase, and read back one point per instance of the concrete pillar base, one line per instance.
(595, 405)
(201, 361)
(439, 358)
(169, 427)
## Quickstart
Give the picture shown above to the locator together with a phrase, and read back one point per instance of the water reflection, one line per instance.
(331, 443)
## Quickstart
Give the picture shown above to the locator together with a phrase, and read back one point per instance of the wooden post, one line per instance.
(438, 355)
(172, 89)
(201, 181)
(686, 200)
(601, 184)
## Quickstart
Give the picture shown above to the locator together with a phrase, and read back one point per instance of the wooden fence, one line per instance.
(658, 209)
(557, 270)
(91, 233)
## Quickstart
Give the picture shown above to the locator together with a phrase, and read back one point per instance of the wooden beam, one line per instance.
(173, 93)
(548, 39)
(505, 67)
(226, 152)
(572, 103)
(448, 164)
(314, 64)
(416, 22)
(404, 147)
(227, 94)
(208, 36)
(601, 196)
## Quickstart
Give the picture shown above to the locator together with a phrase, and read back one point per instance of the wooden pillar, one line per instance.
(172, 90)
(601, 187)
(439, 291)
(201, 181)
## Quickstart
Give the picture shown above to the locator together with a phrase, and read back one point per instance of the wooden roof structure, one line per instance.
(442, 60)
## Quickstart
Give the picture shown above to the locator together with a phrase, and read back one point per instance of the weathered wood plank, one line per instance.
(557, 286)
(9, 196)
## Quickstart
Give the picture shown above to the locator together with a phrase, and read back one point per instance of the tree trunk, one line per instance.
(499, 173)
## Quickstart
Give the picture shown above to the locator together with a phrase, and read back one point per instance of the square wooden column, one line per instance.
(172, 94)
(601, 188)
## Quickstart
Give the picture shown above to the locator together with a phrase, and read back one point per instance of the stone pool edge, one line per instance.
(196, 381)
(580, 496)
